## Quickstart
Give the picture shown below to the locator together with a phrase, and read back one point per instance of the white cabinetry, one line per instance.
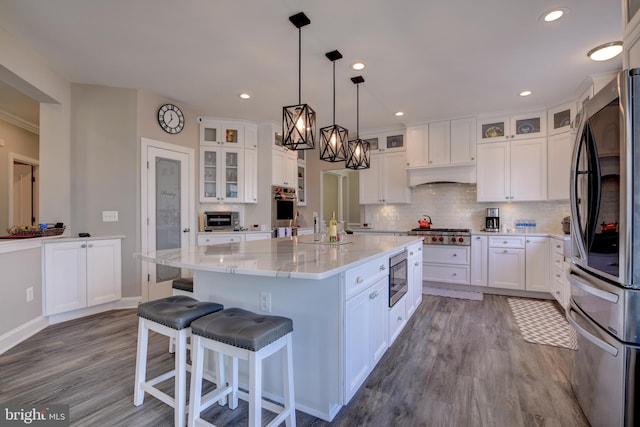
(222, 132)
(248, 237)
(507, 262)
(250, 176)
(284, 164)
(302, 181)
(397, 318)
(385, 181)
(220, 238)
(561, 118)
(221, 174)
(522, 126)
(559, 166)
(366, 321)
(479, 261)
(386, 141)
(448, 142)
(414, 276)
(558, 282)
(80, 274)
(537, 264)
(512, 170)
(446, 263)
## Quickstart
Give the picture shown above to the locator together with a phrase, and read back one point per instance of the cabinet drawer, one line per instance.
(446, 273)
(506, 241)
(359, 278)
(557, 260)
(220, 239)
(397, 319)
(557, 246)
(414, 250)
(446, 254)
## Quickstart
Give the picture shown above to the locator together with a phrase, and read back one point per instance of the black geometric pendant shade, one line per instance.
(333, 139)
(357, 149)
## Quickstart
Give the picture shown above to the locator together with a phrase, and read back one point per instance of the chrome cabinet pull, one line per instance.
(83, 245)
(382, 267)
(359, 279)
(89, 245)
(373, 295)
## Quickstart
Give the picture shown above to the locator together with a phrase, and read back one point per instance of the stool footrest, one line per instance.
(161, 396)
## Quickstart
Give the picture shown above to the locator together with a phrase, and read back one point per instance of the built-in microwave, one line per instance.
(221, 221)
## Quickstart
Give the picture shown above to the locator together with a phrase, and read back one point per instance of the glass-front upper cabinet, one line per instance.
(521, 126)
(561, 118)
(221, 178)
(302, 197)
(221, 132)
(387, 141)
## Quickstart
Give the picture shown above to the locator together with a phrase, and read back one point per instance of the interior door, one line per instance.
(167, 215)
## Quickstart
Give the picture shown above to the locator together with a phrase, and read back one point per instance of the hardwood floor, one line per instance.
(457, 363)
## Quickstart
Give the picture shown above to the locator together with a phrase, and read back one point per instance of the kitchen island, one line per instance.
(336, 294)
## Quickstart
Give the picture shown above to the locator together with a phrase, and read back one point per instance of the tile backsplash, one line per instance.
(453, 205)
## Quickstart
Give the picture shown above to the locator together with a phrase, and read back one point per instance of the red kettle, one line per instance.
(425, 223)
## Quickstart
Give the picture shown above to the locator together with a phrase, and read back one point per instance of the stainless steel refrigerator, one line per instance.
(605, 263)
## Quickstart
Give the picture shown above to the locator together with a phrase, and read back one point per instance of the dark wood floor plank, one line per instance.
(456, 363)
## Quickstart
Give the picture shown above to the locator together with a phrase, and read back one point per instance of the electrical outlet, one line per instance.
(30, 294)
(109, 216)
(265, 302)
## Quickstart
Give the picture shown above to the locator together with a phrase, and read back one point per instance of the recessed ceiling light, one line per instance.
(525, 93)
(245, 96)
(357, 66)
(553, 14)
(399, 113)
(605, 51)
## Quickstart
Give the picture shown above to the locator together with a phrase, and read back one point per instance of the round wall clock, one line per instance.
(170, 118)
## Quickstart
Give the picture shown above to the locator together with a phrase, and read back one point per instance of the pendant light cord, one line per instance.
(357, 111)
(334, 92)
(299, 66)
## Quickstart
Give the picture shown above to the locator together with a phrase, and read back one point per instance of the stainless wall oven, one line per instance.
(605, 258)
(284, 206)
(398, 277)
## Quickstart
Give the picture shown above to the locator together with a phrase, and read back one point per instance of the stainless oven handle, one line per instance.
(592, 338)
(579, 283)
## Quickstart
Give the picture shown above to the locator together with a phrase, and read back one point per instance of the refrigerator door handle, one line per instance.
(592, 338)
(576, 281)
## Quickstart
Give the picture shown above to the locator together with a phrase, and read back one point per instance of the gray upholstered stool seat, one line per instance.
(242, 328)
(171, 316)
(183, 284)
(242, 334)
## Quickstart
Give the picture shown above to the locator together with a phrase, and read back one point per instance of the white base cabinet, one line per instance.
(558, 282)
(507, 262)
(414, 276)
(537, 264)
(479, 261)
(81, 274)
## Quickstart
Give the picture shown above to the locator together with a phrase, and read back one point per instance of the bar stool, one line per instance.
(171, 316)
(181, 286)
(241, 334)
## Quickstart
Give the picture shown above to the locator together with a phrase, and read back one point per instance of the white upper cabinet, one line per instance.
(385, 181)
(512, 171)
(223, 132)
(221, 174)
(561, 118)
(385, 141)
(559, 165)
(522, 126)
(443, 143)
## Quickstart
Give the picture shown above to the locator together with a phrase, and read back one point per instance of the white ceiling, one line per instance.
(429, 58)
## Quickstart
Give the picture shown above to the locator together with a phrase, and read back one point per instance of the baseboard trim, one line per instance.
(15, 336)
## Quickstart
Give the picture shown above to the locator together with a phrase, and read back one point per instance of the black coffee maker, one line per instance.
(492, 220)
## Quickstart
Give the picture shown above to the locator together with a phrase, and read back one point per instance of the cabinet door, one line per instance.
(414, 272)
(506, 268)
(395, 188)
(357, 360)
(493, 179)
(65, 276)
(302, 176)
(291, 169)
(250, 176)
(531, 125)
(378, 321)
(479, 261)
(537, 264)
(529, 170)
(209, 174)
(104, 278)
(370, 182)
(558, 166)
(439, 143)
(463, 141)
(277, 167)
(231, 175)
(493, 129)
(219, 238)
(417, 146)
(250, 136)
(231, 134)
(560, 119)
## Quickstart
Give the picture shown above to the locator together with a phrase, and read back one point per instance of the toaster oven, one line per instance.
(221, 221)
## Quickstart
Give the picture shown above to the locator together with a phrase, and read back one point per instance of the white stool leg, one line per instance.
(221, 380)
(197, 370)
(287, 370)
(141, 362)
(233, 403)
(172, 345)
(181, 378)
(255, 390)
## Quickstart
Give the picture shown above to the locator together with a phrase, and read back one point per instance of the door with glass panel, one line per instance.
(169, 202)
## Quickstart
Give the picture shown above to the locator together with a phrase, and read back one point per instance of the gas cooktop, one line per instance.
(443, 236)
(442, 230)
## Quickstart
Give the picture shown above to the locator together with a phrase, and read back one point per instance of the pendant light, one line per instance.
(333, 138)
(357, 149)
(299, 121)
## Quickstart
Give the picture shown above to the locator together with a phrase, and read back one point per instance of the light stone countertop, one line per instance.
(292, 257)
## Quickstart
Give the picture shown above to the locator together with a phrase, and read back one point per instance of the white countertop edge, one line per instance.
(560, 236)
(82, 239)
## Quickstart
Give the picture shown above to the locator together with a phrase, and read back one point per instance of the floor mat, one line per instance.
(540, 322)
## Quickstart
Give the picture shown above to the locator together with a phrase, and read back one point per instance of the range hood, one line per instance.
(465, 174)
